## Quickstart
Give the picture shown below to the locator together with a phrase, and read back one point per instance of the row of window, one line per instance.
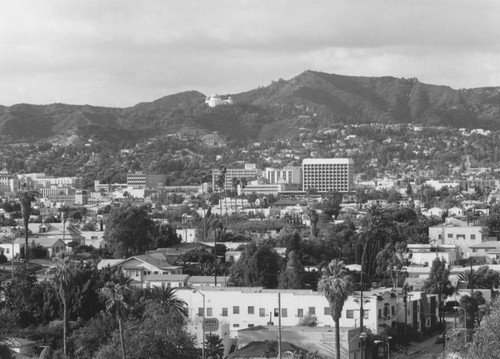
(300, 312)
(459, 236)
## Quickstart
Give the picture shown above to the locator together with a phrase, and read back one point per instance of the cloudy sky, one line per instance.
(121, 52)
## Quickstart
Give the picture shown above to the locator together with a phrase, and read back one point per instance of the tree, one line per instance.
(166, 236)
(167, 301)
(26, 198)
(292, 277)
(62, 276)
(483, 278)
(257, 266)
(373, 235)
(438, 282)
(314, 219)
(213, 347)
(129, 231)
(336, 285)
(117, 305)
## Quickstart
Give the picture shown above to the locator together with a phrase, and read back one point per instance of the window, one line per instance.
(284, 312)
(300, 313)
(380, 313)
(236, 310)
(200, 312)
(365, 313)
(209, 312)
(236, 325)
(440, 236)
(224, 312)
(393, 310)
(450, 235)
(327, 311)
(349, 314)
(276, 312)
(262, 312)
(251, 310)
(251, 325)
(312, 310)
(460, 236)
(472, 236)
(7, 250)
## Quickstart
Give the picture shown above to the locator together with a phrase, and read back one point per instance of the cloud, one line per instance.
(120, 52)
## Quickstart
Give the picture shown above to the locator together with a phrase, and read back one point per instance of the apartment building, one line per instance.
(461, 235)
(249, 172)
(145, 180)
(241, 308)
(328, 174)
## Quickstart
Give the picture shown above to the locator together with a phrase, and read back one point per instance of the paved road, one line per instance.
(432, 351)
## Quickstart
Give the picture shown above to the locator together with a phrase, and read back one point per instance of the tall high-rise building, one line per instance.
(328, 174)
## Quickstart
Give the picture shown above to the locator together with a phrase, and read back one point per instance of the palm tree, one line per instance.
(336, 284)
(243, 184)
(214, 347)
(236, 182)
(314, 219)
(374, 235)
(63, 274)
(167, 300)
(116, 304)
(26, 198)
(221, 183)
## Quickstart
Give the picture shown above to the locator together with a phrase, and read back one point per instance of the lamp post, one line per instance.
(203, 325)
(465, 321)
(405, 300)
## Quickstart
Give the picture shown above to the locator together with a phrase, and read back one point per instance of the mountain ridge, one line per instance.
(266, 112)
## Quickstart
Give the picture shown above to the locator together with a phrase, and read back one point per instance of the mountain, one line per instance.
(311, 99)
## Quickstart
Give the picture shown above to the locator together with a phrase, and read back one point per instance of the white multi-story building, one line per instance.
(290, 175)
(461, 235)
(245, 307)
(328, 174)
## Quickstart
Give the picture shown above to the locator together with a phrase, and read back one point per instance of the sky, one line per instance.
(122, 52)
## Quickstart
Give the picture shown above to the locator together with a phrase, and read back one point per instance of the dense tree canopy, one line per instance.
(129, 231)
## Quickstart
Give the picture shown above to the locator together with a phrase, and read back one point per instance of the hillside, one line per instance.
(311, 99)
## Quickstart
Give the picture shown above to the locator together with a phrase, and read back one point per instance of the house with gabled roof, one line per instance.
(139, 268)
(63, 231)
(55, 247)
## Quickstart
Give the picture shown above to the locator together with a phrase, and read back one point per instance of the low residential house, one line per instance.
(207, 281)
(63, 231)
(55, 247)
(140, 268)
(188, 235)
(166, 280)
(93, 238)
(10, 247)
(434, 212)
(455, 212)
(488, 249)
(461, 235)
(425, 254)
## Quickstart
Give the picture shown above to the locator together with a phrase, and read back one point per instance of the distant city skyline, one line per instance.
(122, 52)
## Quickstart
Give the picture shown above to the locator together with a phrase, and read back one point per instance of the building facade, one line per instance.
(289, 175)
(328, 174)
(461, 235)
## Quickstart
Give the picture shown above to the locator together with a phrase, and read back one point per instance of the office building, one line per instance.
(328, 174)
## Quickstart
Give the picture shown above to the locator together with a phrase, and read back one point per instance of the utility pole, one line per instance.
(405, 299)
(279, 325)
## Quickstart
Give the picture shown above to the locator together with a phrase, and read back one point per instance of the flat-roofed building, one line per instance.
(328, 174)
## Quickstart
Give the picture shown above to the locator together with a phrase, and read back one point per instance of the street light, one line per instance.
(203, 325)
(465, 320)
